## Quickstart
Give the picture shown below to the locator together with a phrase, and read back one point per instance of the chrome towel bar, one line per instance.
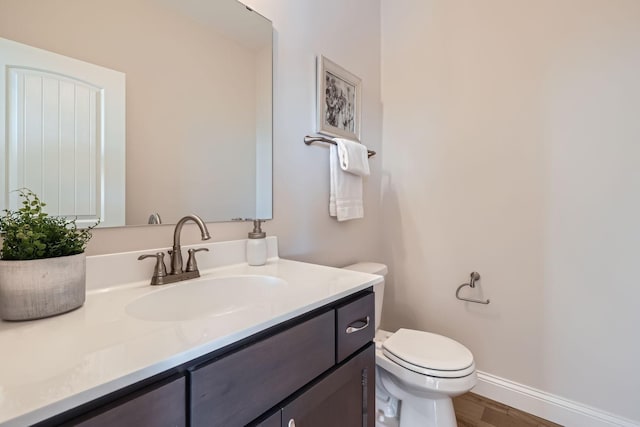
(311, 139)
(472, 284)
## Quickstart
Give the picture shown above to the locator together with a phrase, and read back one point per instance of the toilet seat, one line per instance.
(429, 354)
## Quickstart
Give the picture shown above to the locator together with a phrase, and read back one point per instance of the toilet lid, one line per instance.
(429, 354)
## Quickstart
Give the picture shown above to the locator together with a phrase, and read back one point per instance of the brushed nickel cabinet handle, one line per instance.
(352, 328)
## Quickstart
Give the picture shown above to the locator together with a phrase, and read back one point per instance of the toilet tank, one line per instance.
(373, 268)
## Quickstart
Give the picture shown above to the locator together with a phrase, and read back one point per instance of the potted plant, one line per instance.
(42, 262)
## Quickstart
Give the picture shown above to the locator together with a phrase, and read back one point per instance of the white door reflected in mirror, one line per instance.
(65, 120)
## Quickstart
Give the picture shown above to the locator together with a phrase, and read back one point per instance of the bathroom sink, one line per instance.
(207, 297)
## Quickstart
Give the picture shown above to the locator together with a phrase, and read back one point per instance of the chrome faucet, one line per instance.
(160, 276)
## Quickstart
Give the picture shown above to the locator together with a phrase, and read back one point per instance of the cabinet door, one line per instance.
(238, 387)
(274, 420)
(164, 406)
(345, 398)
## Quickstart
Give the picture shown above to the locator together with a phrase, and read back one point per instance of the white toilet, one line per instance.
(420, 370)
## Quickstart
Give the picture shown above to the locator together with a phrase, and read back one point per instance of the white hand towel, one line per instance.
(353, 157)
(345, 199)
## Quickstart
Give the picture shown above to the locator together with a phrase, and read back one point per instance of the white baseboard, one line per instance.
(545, 405)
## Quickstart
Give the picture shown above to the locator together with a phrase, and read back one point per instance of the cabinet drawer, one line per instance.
(355, 325)
(236, 389)
(162, 406)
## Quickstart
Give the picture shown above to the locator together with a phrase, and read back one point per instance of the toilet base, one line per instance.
(427, 413)
(416, 416)
(427, 404)
(382, 421)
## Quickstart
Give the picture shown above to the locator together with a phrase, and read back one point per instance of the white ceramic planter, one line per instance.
(42, 287)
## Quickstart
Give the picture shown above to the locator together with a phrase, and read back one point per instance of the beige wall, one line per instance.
(511, 140)
(301, 173)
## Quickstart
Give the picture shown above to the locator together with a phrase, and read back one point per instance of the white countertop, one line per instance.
(51, 365)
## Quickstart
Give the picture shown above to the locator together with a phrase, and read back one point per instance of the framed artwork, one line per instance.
(338, 101)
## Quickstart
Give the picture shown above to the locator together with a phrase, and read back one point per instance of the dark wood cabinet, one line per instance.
(344, 398)
(313, 370)
(355, 325)
(238, 387)
(274, 419)
(162, 406)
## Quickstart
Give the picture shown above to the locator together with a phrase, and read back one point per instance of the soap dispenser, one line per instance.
(257, 245)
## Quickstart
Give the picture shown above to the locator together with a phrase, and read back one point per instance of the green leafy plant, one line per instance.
(30, 233)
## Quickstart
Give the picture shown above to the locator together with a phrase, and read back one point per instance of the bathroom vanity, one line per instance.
(300, 353)
(307, 370)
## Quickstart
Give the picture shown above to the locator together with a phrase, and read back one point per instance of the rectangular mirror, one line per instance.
(196, 113)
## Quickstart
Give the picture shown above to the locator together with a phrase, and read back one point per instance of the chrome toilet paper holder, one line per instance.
(475, 276)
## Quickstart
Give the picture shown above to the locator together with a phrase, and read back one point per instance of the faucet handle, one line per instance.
(192, 265)
(160, 270)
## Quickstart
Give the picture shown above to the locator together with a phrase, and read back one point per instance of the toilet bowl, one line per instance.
(417, 372)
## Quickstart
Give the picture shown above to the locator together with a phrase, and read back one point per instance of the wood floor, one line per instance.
(476, 411)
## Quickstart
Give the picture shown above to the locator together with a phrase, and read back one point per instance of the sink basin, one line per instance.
(209, 297)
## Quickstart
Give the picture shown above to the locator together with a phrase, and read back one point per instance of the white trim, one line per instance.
(546, 405)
